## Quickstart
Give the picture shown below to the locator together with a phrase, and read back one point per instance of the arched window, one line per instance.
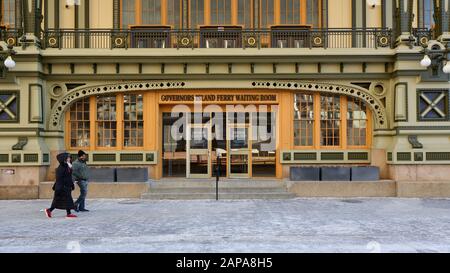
(325, 121)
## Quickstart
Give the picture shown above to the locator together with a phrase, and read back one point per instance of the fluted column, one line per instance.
(404, 19)
(442, 19)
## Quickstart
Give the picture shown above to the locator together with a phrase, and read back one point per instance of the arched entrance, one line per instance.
(138, 118)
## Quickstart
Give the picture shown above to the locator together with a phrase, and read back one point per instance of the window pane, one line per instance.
(220, 12)
(79, 123)
(267, 13)
(128, 13)
(290, 11)
(133, 123)
(330, 107)
(151, 12)
(196, 13)
(106, 121)
(356, 122)
(312, 13)
(174, 13)
(245, 13)
(9, 10)
(303, 119)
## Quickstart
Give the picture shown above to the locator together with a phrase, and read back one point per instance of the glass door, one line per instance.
(239, 155)
(198, 160)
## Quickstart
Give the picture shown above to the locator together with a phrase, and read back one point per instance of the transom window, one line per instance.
(245, 13)
(8, 10)
(330, 121)
(107, 122)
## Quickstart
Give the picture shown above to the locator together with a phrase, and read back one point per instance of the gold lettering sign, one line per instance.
(220, 98)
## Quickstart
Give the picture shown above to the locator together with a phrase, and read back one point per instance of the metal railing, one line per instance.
(263, 38)
(217, 38)
(10, 36)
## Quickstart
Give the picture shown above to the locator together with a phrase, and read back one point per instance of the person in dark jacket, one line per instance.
(80, 174)
(63, 187)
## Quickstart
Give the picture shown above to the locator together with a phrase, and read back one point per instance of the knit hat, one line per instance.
(81, 153)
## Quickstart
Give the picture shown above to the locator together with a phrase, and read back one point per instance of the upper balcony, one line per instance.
(286, 36)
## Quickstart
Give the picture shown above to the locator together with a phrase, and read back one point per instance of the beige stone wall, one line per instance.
(101, 14)
(373, 15)
(23, 176)
(433, 173)
(340, 14)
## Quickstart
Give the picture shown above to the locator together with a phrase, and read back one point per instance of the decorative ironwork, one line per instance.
(383, 40)
(9, 106)
(317, 40)
(119, 40)
(20, 144)
(251, 40)
(185, 40)
(305, 156)
(358, 156)
(218, 37)
(433, 105)
(332, 156)
(414, 142)
(403, 156)
(29, 158)
(438, 156)
(53, 41)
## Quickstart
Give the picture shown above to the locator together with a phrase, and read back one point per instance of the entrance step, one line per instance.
(206, 189)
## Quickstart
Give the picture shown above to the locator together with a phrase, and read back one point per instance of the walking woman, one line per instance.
(63, 187)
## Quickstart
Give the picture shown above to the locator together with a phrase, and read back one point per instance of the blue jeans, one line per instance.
(81, 201)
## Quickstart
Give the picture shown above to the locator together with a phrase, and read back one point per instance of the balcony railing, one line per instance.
(217, 37)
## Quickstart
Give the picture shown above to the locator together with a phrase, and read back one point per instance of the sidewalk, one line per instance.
(296, 225)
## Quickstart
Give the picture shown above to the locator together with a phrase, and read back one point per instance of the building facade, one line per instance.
(167, 85)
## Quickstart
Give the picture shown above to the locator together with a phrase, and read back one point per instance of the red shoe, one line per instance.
(48, 213)
(71, 216)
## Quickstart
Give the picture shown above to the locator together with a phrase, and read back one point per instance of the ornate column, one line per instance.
(403, 19)
(32, 17)
(442, 19)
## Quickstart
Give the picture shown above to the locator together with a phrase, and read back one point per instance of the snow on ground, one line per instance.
(296, 225)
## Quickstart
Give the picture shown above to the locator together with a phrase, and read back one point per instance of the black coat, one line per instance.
(63, 186)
